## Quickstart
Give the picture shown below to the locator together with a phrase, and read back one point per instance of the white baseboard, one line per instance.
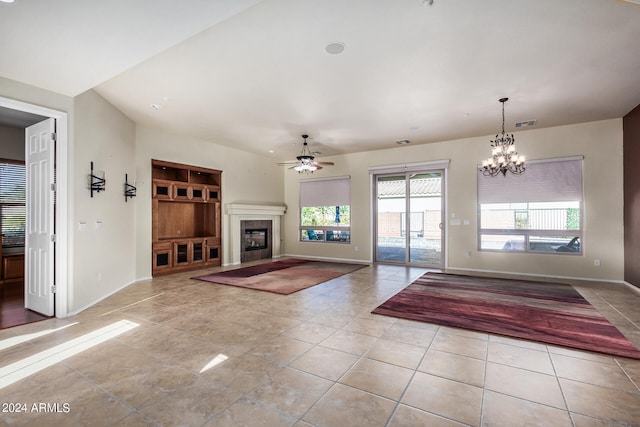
(238, 263)
(634, 288)
(73, 313)
(514, 273)
(320, 258)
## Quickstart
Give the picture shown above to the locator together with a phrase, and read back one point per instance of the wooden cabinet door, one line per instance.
(214, 251)
(162, 256)
(199, 193)
(13, 267)
(181, 191)
(182, 253)
(162, 189)
(198, 251)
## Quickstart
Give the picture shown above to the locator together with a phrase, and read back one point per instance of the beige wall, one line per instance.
(246, 177)
(100, 261)
(104, 255)
(104, 260)
(11, 143)
(599, 142)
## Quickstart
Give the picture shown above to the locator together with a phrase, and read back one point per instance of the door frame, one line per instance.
(62, 197)
(419, 167)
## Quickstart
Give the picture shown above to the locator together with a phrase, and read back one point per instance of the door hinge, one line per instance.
(54, 187)
(53, 289)
(53, 238)
(54, 136)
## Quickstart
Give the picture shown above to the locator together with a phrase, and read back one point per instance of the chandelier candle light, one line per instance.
(504, 156)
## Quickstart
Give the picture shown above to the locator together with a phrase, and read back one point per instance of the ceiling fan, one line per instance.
(306, 161)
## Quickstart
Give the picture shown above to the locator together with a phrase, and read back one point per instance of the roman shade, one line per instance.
(325, 192)
(554, 180)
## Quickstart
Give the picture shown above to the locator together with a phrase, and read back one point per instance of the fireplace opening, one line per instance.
(255, 239)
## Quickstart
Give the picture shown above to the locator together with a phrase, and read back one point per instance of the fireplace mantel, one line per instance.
(242, 212)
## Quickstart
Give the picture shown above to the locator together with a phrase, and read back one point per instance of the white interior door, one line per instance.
(39, 245)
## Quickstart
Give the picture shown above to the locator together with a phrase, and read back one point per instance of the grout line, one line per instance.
(555, 374)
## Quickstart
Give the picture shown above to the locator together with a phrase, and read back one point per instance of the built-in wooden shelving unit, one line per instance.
(186, 216)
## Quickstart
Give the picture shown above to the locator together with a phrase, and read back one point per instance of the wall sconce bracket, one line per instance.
(129, 190)
(96, 184)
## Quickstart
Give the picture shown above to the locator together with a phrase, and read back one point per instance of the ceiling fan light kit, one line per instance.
(306, 161)
(305, 158)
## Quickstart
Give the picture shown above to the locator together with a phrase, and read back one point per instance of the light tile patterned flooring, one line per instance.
(316, 357)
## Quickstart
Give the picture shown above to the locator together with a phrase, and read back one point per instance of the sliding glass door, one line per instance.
(409, 218)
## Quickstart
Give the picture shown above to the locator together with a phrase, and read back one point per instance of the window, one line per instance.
(325, 211)
(540, 211)
(12, 202)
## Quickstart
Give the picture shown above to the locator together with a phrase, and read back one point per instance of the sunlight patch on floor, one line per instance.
(132, 304)
(10, 342)
(30, 365)
(214, 362)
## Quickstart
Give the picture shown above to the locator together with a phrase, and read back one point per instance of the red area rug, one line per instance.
(553, 313)
(282, 277)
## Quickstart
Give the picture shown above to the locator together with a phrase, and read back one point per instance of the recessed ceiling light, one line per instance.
(156, 106)
(7, 1)
(271, 151)
(334, 48)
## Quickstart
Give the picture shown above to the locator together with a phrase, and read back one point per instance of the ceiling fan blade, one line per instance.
(325, 163)
(292, 162)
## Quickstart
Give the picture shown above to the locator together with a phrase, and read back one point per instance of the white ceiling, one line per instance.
(253, 74)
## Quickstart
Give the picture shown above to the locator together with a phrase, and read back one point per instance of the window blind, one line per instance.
(325, 192)
(12, 203)
(557, 180)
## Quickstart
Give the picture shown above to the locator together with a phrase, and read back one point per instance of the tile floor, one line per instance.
(313, 358)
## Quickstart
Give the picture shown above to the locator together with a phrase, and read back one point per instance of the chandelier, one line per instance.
(504, 157)
(305, 159)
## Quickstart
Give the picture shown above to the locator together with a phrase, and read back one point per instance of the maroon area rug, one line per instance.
(282, 277)
(553, 313)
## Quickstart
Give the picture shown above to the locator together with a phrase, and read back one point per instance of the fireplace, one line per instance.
(241, 212)
(255, 239)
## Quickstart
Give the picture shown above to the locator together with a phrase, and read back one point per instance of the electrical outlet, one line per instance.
(596, 262)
